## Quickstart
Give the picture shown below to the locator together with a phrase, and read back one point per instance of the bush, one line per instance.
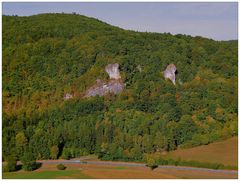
(11, 164)
(29, 166)
(29, 162)
(61, 167)
(151, 163)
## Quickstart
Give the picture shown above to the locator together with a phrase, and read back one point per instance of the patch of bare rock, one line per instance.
(115, 85)
(169, 73)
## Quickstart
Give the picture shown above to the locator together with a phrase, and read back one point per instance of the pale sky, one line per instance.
(218, 21)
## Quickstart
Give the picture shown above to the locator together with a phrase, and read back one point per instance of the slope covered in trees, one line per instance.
(50, 55)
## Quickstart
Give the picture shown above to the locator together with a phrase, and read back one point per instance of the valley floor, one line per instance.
(224, 152)
(102, 169)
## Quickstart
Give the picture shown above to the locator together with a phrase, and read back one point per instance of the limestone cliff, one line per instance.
(113, 71)
(169, 73)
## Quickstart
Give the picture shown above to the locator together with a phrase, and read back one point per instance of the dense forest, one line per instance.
(46, 56)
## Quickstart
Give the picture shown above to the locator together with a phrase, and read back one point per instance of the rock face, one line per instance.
(169, 73)
(112, 70)
(114, 85)
(102, 88)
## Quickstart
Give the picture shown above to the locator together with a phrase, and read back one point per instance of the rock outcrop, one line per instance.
(169, 73)
(102, 88)
(114, 85)
(113, 71)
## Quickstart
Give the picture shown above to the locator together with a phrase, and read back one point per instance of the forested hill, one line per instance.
(48, 56)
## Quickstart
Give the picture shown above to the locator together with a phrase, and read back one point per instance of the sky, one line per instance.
(218, 21)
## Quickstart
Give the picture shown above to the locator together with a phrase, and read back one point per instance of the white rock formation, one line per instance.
(112, 70)
(101, 89)
(115, 85)
(169, 73)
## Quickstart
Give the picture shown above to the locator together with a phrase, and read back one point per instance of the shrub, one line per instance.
(29, 162)
(11, 164)
(30, 166)
(151, 163)
(61, 167)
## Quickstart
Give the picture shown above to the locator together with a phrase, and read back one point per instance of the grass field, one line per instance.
(225, 152)
(79, 171)
(68, 174)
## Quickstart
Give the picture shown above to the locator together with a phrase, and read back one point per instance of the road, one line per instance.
(82, 161)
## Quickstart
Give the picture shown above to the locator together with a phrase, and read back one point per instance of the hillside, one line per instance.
(54, 65)
(224, 152)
